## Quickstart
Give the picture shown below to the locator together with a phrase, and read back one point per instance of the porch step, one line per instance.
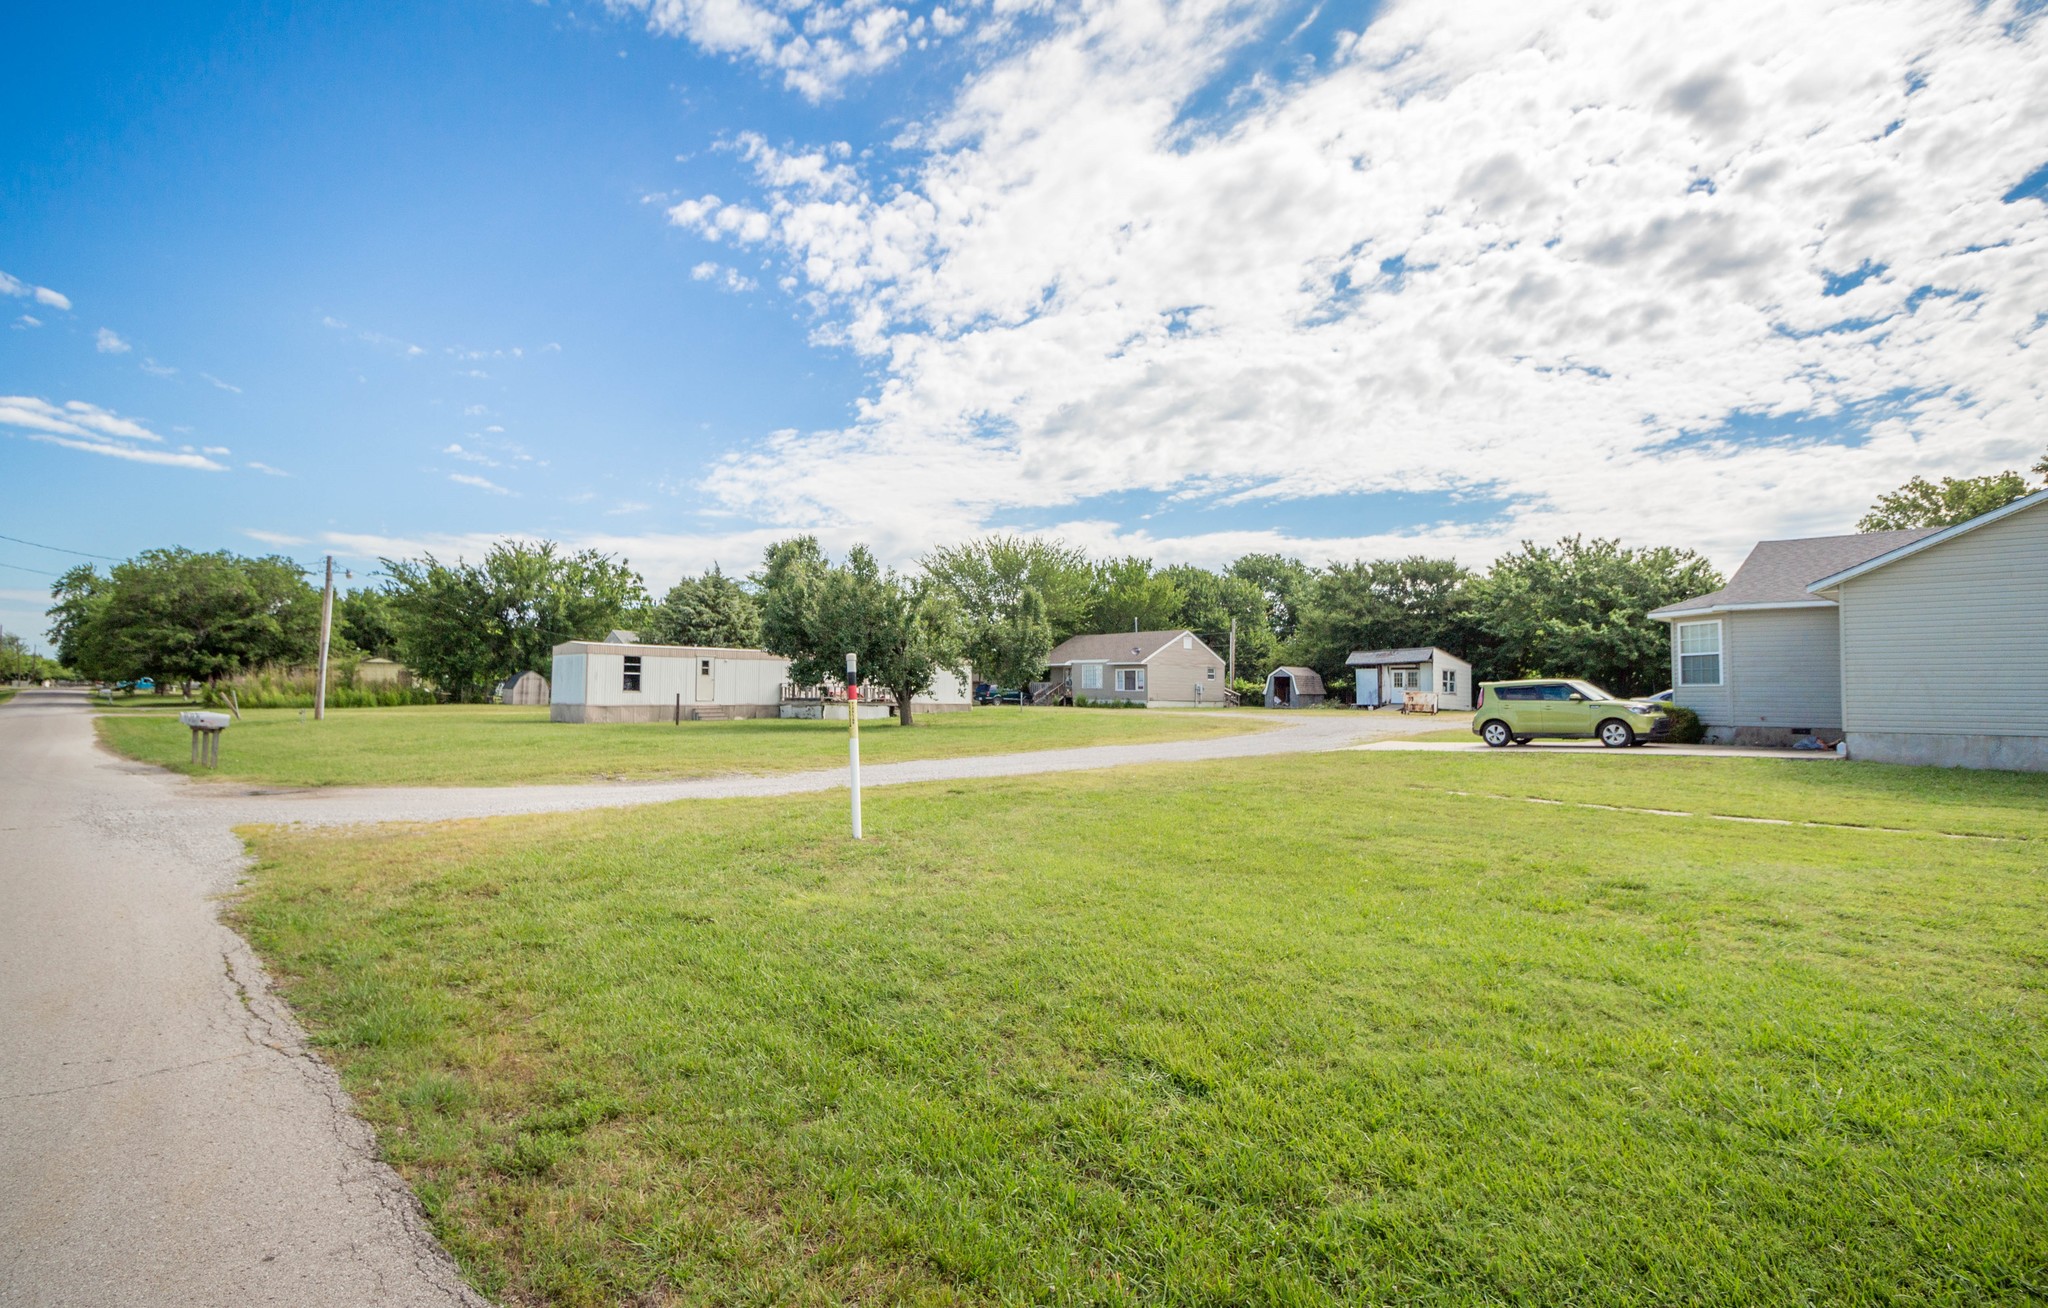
(712, 713)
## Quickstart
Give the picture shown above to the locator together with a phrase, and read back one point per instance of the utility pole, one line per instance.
(326, 632)
(1230, 673)
(853, 735)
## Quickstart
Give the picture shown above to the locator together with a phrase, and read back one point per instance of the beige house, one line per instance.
(1926, 646)
(1143, 667)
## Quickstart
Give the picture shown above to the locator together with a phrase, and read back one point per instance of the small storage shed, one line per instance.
(1293, 688)
(1385, 676)
(529, 688)
(598, 681)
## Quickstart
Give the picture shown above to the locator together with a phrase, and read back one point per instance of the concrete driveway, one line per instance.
(1477, 746)
(166, 1137)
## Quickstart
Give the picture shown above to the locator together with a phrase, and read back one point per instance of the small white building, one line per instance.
(596, 681)
(1386, 676)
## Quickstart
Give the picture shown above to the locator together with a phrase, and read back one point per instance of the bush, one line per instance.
(1082, 701)
(272, 688)
(1685, 725)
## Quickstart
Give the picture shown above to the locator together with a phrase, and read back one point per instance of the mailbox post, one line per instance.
(853, 734)
(206, 729)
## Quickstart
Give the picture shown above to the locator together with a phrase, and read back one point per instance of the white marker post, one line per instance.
(853, 734)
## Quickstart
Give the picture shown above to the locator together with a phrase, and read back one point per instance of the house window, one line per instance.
(1699, 653)
(703, 667)
(1405, 678)
(1450, 681)
(1187, 642)
(1130, 679)
(1212, 672)
(1091, 676)
(632, 678)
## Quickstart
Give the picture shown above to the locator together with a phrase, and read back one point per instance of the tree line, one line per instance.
(996, 605)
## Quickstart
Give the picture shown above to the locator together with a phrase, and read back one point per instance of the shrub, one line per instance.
(1685, 725)
(280, 688)
(1082, 701)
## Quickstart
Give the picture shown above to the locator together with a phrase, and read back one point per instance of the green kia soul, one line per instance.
(1516, 712)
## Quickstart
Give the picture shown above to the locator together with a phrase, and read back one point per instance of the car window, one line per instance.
(1589, 690)
(1555, 690)
(1517, 692)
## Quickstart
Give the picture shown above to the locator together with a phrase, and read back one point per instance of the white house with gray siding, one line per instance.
(605, 681)
(1922, 646)
(1945, 644)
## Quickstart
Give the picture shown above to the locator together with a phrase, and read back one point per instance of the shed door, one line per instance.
(704, 681)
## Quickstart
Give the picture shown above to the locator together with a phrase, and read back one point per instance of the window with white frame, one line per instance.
(631, 678)
(1212, 672)
(1699, 653)
(1130, 679)
(1404, 678)
(1091, 676)
(1187, 642)
(1450, 681)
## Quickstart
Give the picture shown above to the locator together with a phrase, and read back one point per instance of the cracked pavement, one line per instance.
(166, 1137)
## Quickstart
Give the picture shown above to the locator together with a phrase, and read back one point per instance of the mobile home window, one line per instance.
(632, 678)
(1699, 653)
(1091, 676)
(1130, 679)
(1450, 681)
(703, 667)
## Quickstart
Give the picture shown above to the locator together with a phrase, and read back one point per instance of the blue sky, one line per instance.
(676, 277)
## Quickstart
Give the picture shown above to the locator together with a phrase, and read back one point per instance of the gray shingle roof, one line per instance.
(1113, 647)
(1307, 681)
(1368, 658)
(1779, 571)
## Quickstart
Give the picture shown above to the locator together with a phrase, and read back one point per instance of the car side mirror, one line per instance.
(1578, 699)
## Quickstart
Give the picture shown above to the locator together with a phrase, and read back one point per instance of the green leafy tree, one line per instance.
(366, 620)
(1130, 596)
(466, 627)
(1000, 585)
(19, 663)
(1285, 582)
(904, 631)
(1580, 608)
(713, 610)
(1922, 503)
(1208, 603)
(1385, 604)
(177, 614)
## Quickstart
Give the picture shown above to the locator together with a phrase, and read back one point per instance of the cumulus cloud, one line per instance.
(107, 341)
(19, 289)
(816, 47)
(1694, 273)
(77, 425)
(729, 279)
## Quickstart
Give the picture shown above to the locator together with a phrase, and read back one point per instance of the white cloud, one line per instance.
(729, 279)
(481, 483)
(77, 425)
(19, 289)
(273, 537)
(28, 320)
(471, 456)
(817, 47)
(265, 469)
(1536, 253)
(215, 449)
(230, 387)
(106, 341)
(155, 369)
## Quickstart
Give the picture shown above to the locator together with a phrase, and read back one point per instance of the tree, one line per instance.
(177, 614)
(466, 627)
(366, 620)
(1208, 603)
(1284, 581)
(1580, 609)
(712, 610)
(1130, 596)
(1017, 597)
(1385, 604)
(1922, 503)
(904, 631)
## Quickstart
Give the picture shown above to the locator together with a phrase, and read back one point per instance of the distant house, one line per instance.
(1143, 667)
(1387, 676)
(618, 681)
(1294, 688)
(373, 673)
(1927, 646)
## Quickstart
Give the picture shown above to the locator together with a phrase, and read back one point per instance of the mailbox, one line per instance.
(206, 729)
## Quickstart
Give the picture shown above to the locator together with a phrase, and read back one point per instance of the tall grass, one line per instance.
(285, 688)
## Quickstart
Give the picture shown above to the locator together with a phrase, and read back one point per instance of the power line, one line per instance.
(38, 571)
(59, 549)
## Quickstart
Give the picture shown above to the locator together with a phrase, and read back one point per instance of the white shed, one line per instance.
(1385, 676)
(596, 681)
(529, 688)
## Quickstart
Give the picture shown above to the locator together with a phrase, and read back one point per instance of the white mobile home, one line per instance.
(599, 682)
(1387, 676)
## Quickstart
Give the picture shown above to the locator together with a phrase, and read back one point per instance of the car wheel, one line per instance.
(1496, 733)
(1616, 734)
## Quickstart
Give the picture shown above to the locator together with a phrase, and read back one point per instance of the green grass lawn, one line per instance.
(1318, 1032)
(493, 745)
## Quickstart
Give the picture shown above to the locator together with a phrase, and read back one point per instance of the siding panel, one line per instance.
(1790, 671)
(1953, 639)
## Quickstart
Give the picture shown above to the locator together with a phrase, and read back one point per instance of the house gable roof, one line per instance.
(1117, 647)
(1778, 573)
(1926, 540)
(1307, 681)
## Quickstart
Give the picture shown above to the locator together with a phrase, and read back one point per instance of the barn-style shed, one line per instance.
(1294, 688)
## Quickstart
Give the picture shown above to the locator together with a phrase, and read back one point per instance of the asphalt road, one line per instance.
(166, 1138)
